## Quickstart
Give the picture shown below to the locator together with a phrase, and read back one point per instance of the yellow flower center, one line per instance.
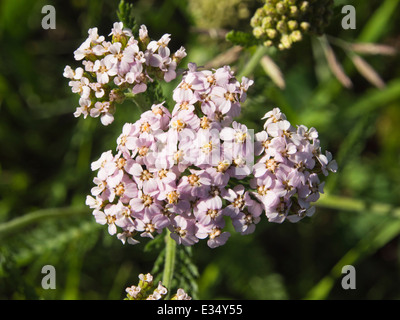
(110, 219)
(215, 233)
(146, 175)
(204, 123)
(143, 151)
(223, 166)
(178, 125)
(194, 180)
(262, 190)
(212, 213)
(173, 197)
(121, 163)
(119, 190)
(271, 165)
(147, 200)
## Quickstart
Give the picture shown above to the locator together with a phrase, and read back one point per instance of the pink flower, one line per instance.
(109, 217)
(143, 177)
(209, 212)
(145, 204)
(151, 223)
(245, 222)
(216, 236)
(105, 164)
(183, 231)
(123, 188)
(160, 46)
(197, 184)
(239, 199)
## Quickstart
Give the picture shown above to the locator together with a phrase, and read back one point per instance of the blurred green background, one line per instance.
(45, 157)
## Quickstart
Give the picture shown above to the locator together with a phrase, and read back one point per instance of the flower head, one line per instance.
(118, 66)
(186, 170)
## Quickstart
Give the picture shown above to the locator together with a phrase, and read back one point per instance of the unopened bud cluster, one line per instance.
(111, 68)
(148, 290)
(281, 23)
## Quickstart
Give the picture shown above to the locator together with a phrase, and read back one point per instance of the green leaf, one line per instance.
(126, 16)
(240, 38)
(378, 23)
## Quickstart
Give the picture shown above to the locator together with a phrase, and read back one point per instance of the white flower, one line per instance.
(94, 36)
(133, 291)
(73, 74)
(107, 217)
(84, 50)
(119, 30)
(182, 295)
(160, 46)
(104, 69)
(143, 33)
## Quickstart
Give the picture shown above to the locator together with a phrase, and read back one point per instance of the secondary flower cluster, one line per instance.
(286, 176)
(146, 290)
(282, 22)
(111, 68)
(173, 170)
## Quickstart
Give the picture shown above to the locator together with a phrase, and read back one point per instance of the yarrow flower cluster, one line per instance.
(111, 68)
(172, 170)
(195, 168)
(147, 290)
(184, 170)
(281, 23)
(286, 176)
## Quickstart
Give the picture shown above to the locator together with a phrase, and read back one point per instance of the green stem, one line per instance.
(254, 61)
(355, 205)
(10, 227)
(139, 100)
(169, 265)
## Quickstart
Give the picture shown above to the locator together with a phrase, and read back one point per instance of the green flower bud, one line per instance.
(305, 26)
(271, 33)
(286, 41)
(281, 26)
(294, 11)
(293, 25)
(296, 36)
(304, 6)
(267, 23)
(281, 8)
(258, 32)
(268, 43)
